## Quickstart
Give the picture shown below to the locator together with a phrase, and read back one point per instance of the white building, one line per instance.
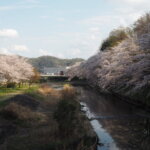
(54, 70)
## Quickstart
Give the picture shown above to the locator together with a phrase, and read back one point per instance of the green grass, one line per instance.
(6, 93)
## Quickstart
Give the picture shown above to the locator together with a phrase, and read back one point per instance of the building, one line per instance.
(54, 70)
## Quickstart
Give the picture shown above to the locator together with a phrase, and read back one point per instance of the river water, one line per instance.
(118, 125)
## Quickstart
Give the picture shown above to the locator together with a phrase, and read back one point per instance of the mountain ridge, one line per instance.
(51, 61)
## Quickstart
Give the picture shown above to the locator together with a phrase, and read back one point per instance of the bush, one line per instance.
(142, 25)
(47, 90)
(141, 29)
(66, 113)
(50, 94)
(15, 111)
(114, 39)
(65, 116)
(68, 92)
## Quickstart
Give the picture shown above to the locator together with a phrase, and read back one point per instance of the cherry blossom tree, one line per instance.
(123, 69)
(15, 68)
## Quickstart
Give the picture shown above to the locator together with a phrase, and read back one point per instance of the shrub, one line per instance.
(114, 39)
(48, 91)
(68, 92)
(16, 111)
(141, 29)
(65, 116)
(66, 112)
(142, 25)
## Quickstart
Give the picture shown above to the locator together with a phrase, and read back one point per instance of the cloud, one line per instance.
(134, 1)
(3, 8)
(32, 1)
(96, 20)
(11, 33)
(94, 29)
(60, 19)
(20, 48)
(84, 44)
(44, 17)
(4, 51)
(76, 52)
(120, 17)
(44, 52)
(131, 2)
(60, 55)
(27, 4)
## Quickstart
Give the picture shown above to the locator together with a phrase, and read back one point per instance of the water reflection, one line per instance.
(117, 133)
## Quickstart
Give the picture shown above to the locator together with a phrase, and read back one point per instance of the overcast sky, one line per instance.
(63, 28)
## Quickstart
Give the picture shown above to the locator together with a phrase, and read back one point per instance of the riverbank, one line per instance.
(46, 119)
(132, 101)
(6, 93)
(118, 124)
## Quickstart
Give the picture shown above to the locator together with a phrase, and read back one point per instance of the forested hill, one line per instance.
(50, 61)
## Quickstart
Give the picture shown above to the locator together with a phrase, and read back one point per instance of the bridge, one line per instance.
(46, 77)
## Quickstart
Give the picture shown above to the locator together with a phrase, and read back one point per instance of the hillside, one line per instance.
(50, 61)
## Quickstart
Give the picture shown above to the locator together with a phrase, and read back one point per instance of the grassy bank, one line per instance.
(44, 118)
(6, 93)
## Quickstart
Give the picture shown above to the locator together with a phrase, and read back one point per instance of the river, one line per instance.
(118, 124)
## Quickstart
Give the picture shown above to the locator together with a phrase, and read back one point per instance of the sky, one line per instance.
(63, 28)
